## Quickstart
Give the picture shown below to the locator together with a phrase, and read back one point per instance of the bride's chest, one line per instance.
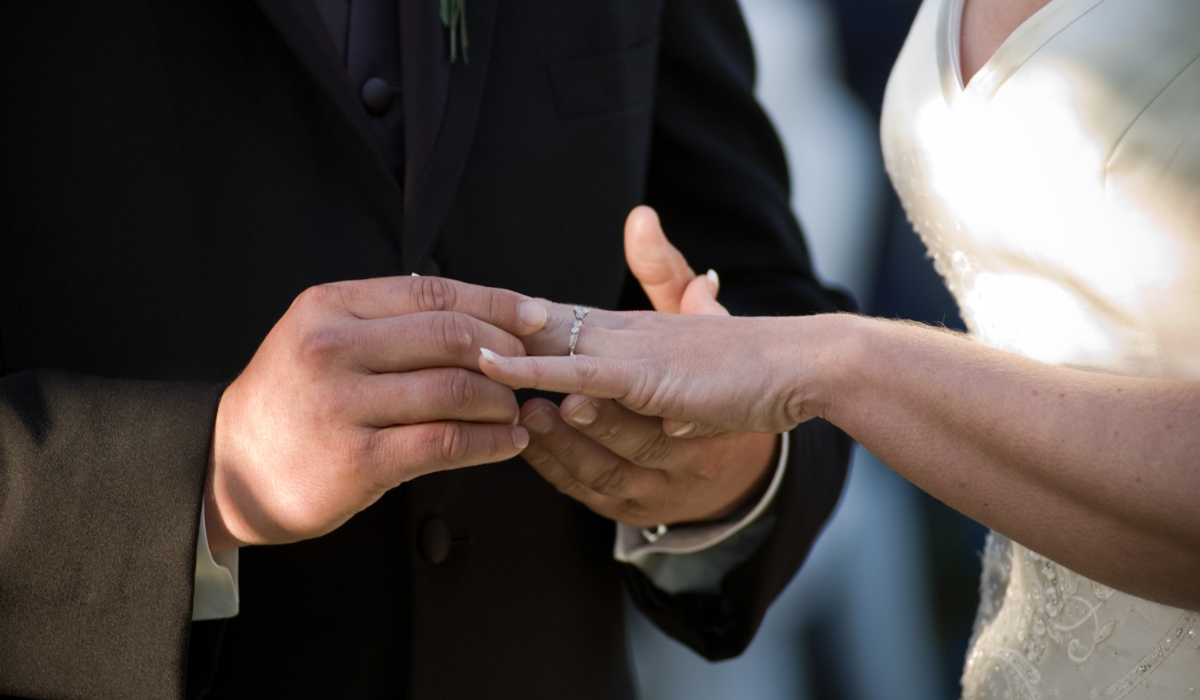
(1069, 166)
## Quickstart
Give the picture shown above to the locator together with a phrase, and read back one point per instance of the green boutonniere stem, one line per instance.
(454, 19)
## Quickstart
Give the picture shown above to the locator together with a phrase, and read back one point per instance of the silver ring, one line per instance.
(580, 313)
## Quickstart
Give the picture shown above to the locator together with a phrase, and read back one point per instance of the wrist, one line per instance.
(215, 529)
(758, 454)
(822, 358)
(870, 364)
(218, 511)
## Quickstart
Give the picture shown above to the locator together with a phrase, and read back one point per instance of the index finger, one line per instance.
(577, 374)
(385, 297)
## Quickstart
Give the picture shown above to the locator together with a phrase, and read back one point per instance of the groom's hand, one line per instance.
(359, 387)
(622, 465)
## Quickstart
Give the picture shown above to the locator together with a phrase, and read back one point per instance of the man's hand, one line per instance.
(622, 465)
(360, 387)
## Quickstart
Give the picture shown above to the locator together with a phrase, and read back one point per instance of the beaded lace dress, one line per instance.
(1058, 193)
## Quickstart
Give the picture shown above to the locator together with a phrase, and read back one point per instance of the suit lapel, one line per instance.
(442, 102)
(300, 25)
(426, 72)
(441, 110)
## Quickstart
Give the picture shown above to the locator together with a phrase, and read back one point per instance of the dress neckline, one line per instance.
(1024, 41)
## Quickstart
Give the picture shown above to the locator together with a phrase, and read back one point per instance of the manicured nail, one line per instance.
(584, 414)
(532, 313)
(520, 438)
(492, 357)
(683, 430)
(714, 282)
(539, 421)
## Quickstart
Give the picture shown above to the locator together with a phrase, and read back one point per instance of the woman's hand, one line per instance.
(621, 464)
(736, 374)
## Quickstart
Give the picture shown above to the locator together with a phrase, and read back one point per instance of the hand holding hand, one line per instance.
(733, 373)
(359, 387)
(621, 464)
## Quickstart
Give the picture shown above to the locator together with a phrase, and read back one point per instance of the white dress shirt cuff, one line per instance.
(694, 558)
(215, 595)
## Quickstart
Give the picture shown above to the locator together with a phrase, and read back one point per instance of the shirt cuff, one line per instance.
(215, 595)
(694, 558)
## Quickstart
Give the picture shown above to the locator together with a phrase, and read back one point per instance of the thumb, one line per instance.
(700, 296)
(659, 267)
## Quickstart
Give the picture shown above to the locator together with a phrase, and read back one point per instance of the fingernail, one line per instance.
(520, 438)
(714, 282)
(683, 430)
(539, 421)
(492, 357)
(584, 414)
(532, 313)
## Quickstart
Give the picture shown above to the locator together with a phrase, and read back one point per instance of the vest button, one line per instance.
(435, 540)
(377, 96)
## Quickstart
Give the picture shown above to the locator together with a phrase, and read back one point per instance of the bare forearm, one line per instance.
(1093, 470)
(1096, 471)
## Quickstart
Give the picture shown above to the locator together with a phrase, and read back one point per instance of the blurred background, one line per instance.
(884, 606)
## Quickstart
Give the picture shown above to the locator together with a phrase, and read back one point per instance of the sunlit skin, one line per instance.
(621, 464)
(364, 385)
(332, 411)
(986, 24)
(1097, 471)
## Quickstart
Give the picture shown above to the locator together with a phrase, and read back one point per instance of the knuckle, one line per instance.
(453, 444)
(706, 471)
(313, 296)
(452, 333)
(537, 372)
(611, 481)
(538, 458)
(509, 344)
(588, 369)
(463, 395)
(655, 448)
(648, 386)
(323, 297)
(320, 345)
(567, 485)
(432, 294)
(610, 433)
(370, 454)
(498, 303)
(571, 452)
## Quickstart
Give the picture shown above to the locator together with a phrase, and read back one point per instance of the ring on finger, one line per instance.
(581, 312)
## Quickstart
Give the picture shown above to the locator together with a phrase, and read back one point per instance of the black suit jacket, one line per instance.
(173, 174)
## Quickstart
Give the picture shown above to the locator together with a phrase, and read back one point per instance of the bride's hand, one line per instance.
(621, 464)
(737, 374)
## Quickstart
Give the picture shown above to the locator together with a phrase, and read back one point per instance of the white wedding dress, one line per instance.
(1059, 195)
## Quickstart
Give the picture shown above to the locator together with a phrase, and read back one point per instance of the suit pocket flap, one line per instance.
(604, 82)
